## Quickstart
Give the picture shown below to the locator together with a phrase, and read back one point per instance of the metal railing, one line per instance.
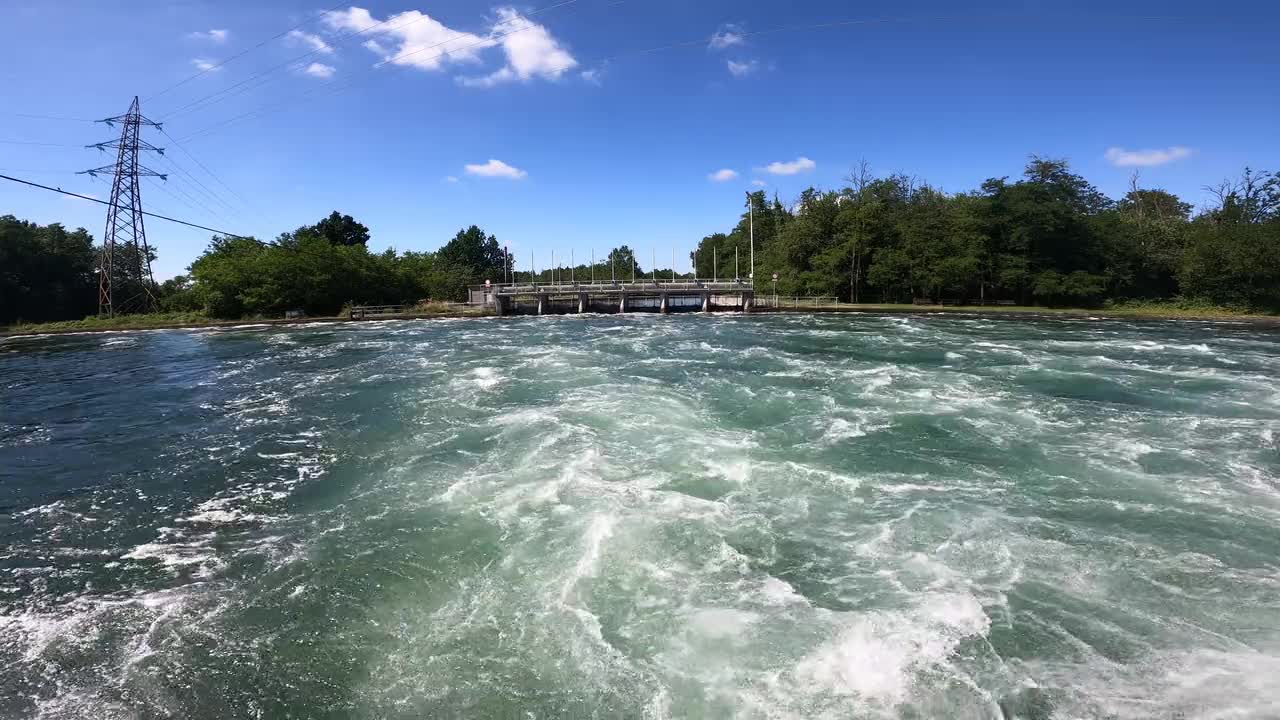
(628, 286)
(765, 300)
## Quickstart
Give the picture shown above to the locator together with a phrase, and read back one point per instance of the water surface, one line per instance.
(639, 516)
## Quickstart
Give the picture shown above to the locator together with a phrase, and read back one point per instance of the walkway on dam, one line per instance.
(642, 296)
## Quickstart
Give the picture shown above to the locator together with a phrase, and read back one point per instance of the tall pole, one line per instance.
(533, 278)
(593, 266)
(735, 263)
(715, 264)
(673, 264)
(751, 223)
(125, 229)
(613, 267)
(633, 267)
(573, 269)
(653, 271)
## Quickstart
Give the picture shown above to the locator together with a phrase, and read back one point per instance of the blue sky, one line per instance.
(600, 122)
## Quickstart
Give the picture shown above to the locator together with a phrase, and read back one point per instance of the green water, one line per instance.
(643, 517)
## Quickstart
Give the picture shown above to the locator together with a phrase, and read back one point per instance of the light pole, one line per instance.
(593, 266)
(775, 291)
(673, 264)
(573, 269)
(751, 223)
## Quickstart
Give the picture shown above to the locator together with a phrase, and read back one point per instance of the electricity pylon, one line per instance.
(124, 267)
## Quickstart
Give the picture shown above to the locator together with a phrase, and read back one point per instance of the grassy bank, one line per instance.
(1148, 311)
(178, 320)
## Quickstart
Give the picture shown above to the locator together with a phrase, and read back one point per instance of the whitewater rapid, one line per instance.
(643, 516)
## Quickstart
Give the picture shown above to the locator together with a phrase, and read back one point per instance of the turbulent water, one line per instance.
(641, 516)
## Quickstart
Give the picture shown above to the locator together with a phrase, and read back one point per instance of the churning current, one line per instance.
(643, 517)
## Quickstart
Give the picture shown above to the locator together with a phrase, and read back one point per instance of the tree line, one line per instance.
(1049, 237)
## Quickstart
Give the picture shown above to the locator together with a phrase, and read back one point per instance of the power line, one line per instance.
(242, 53)
(198, 186)
(213, 175)
(194, 105)
(334, 86)
(190, 199)
(50, 117)
(148, 214)
(42, 144)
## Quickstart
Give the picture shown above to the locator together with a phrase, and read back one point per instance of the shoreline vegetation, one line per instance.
(1048, 240)
(195, 321)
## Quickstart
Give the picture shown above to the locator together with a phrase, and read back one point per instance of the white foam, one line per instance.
(722, 623)
(877, 655)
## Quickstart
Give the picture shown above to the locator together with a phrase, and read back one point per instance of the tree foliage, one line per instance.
(1049, 237)
(46, 272)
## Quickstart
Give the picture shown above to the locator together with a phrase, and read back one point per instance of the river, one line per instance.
(639, 516)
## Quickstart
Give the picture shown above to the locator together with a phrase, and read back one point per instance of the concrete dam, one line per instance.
(660, 296)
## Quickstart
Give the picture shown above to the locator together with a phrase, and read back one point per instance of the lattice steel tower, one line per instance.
(125, 282)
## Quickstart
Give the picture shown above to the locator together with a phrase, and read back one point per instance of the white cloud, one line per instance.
(411, 38)
(759, 183)
(415, 39)
(592, 76)
(215, 36)
(498, 169)
(1146, 158)
(315, 42)
(494, 78)
(319, 70)
(204, 64)
(450, 179)
(742, 69)
(795, 167)
(727, 36)
(531, 50)
(724, 175)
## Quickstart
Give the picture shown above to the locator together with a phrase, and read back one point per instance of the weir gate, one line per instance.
(660, 296)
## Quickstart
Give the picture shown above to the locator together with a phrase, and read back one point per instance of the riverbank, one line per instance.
(1138, 312)
(179, 321)
(187, 321)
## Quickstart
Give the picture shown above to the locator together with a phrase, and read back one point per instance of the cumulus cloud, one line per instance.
(497, 169)
(315, 42)
(450, 179)
(724, 175)
(795, 167)
(411, 38)
(759, 183)
(531, 50)
(591, 76)
(215, 36)
(415, 39)
(1146, 158)
(742, 69)
(319, 70)
(204, 64)
(727, 36)
(493, 79)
